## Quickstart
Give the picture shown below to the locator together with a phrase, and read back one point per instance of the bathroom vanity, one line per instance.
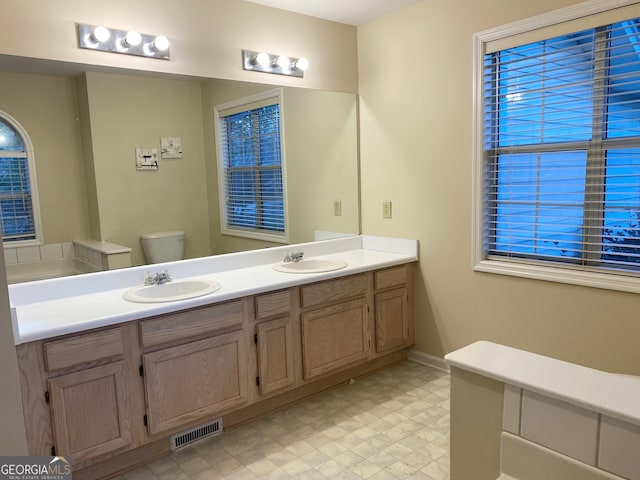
(109, 382)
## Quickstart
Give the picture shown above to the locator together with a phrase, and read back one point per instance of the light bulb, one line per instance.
(262, 59)
(302, 64)
(100, 34)
(132, 39)
(161, 43)
(283, 61)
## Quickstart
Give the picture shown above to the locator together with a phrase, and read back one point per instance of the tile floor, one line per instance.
(391, 425)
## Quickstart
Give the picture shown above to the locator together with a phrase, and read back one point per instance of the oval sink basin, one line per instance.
(310, 265)
(171, 291)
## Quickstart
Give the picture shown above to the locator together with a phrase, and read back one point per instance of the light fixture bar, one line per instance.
(270, 63)
(127, 42)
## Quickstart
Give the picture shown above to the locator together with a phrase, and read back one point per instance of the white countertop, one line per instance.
(611, 394)
(48, 308)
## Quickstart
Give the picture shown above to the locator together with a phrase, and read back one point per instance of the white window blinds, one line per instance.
(251, 168)
(17, 213)
(562, 150)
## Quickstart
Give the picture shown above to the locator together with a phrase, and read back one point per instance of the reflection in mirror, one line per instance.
(86, 124)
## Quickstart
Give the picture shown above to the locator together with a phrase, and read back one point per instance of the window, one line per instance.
(560, 155)
(19, 211)
(250, 166)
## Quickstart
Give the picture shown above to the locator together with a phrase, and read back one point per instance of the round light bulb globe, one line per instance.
(132, 38)
(101, 34)
(262, 59)
(302, 64)
(161, 43)
(283, 61)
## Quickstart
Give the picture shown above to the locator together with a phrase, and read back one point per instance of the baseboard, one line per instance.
(428, 360)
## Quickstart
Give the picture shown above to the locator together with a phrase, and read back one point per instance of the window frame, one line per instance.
(547, 271)
(33, 183)
(250, 102)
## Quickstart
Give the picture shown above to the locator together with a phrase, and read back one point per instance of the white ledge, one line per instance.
(107, 248)
(603, 392)
(48, 308)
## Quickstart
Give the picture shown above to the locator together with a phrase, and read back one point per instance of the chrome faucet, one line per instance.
(157, 279)
(294, 256)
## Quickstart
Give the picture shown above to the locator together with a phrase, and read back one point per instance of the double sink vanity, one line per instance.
(109, 380)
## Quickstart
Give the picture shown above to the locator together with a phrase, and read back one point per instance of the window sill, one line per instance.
(254, 235)
(610, 281)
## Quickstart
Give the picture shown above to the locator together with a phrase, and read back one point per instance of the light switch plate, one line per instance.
(337, 208)
(386, 209)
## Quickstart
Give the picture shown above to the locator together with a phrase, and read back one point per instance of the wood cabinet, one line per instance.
(334, 336)
(274, 340)
(195, 380)
(90, 411)
(275, 344)
(393, 309)
(335, 324)
(102, 396)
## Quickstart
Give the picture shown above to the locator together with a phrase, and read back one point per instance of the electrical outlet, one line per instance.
(386, 209)
(337, 208)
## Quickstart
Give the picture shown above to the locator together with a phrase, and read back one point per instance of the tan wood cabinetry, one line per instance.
(90, 414)
(393, 308)
(274, 340)
(111, 397)
(335, 324)
(90, 411)
(195, 379)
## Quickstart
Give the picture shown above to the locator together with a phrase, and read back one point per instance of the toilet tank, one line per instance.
(162, 247)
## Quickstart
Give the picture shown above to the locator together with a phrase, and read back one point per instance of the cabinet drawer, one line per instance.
(82, 349)
(179, 326)
(333, 290)
(391, 277)
(273, 304)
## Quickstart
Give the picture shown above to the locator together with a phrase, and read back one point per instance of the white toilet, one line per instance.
(162, 247)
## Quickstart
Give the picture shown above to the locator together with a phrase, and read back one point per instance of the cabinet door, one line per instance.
(275, 354)
(392, 320)
(334, 336)
(90, 412)
(195, 380)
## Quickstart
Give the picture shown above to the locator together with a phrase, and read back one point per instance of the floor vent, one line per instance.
(187, 437)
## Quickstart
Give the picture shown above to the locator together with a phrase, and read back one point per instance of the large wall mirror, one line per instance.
(86, 123)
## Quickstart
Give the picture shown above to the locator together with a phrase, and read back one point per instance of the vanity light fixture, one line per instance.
(128, 42)
(278, 64)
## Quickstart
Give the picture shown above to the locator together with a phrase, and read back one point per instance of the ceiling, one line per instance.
(351, 12)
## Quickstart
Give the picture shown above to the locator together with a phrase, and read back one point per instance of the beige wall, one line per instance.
(206, 37)
(50, 118)
(415, 70)
(321, 148)
(132, 202)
